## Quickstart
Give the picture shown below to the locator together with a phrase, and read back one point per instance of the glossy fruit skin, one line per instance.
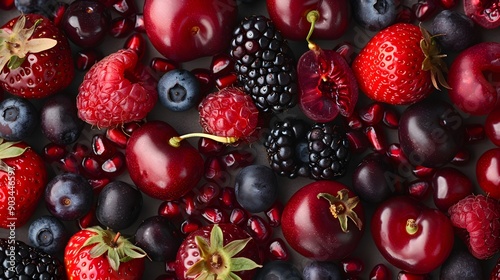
(482, 12)
(327, 85)
(160, 239)
(310, 228)
(449, 186)
(487, 170)
(458, 29)
(256, 188)
(375, 15)
(471, 91)
(159, 169)
(290, 18)
(18, 118)
(199, 28)
(59, 120)
(179, 90)
(431, 133)
(278, 270)
(53, 70)
(492, 126)
(374, 179)
(420, 252)
(118, 205)
(461, 265)
(317, 270)
(48, 234)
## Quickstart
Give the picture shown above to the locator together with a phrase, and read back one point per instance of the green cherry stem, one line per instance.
(176, 140)
(312, 17)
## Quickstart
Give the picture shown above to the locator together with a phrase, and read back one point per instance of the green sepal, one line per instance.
(242, 264)
(15, 61)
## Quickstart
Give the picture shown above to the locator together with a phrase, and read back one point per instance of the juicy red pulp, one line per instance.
(485, 13)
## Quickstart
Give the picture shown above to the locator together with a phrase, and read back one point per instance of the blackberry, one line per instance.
(265, 64)
(27, 262)
(286, 147)
(329, 152)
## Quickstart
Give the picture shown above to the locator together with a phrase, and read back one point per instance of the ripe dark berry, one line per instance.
(18, 118)
(319, 270)
(59, 120)
(461, 265)
(48, 234)
(375, 15)
(256, 188)
(159, 238)
(278, 270)
(455, 31)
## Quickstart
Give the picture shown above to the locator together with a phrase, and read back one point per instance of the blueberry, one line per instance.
(48, 234)
(158, 236)
(458, 31)
(278, 270)
(256, 188)
(118, 205)
(45, 8)
(18, 118)
(179, 90)
(68, 196)
(318, 270)
(461, 265)
(59, 120)
(375, 15)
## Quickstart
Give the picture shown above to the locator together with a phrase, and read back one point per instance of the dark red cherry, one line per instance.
(121, 27)
(450, 185)
(492, 126)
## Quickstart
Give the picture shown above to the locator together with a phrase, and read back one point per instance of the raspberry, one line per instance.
(478, 217)
(116, 90)
(229, 113)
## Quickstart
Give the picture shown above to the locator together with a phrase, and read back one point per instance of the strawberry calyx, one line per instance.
(15, 44)
(217, 261)
(342, 207)
(117, 248)
(433, 60)
(8, 150)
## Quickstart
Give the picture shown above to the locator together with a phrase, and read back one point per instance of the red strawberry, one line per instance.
(478, 218)
(229, 113)
(94, 253)
(399, 65)
(23, 177)
(116, 90)
(495, 273)
(220, 251)
(35, 58)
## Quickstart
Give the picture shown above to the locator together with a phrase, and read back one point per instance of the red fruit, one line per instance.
(37, 62)
(393, 68)
(410, 235)
(197, 28)
(449, 186)
(162, 65)
(96, 253)
(169, 209)
(229, 113)
(380, 272)
(22, 181)
(121, 27)
(484, 13)
(116, 90)
(492, 126)
(478, 219)
(425, 9)
(352, 266)
(278, 250)
(86, 58)
(448, 4)
(323, 221)
(158, 168)
(137, 43)
(220, 251)
(7, 4)
(487, 172)
(327, 85)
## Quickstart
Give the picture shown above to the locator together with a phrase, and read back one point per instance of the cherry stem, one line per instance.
(411, 226)
(312, 17)
(176, 140)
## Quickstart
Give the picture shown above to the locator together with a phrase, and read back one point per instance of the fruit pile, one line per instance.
(252, 139)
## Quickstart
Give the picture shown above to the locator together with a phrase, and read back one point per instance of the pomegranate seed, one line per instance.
(115, 165)
(391, 118)
(221, 65)
(209, 147)
(130, 127)
(125, 7)
(462, 157)
(237, 159)
(358, 142)
(188, 202)
(352, 266)
(162, 65)
(346, 50)
(92, 167)
(84, 59)
(423, 172)
(80, 150)
(238, 216)
(226, 81)
(190, 225)
(448, 4)
(376, 138)
(395, 153)
(372, 114)
(169, 209)
(102, 147)
(405, 15)
(474, 132)
(121, 27)
(215, 171)
(139, 23)
(274, 214)
(70, 164)
(354, 121)
(53, 152)
(88, 220)
(117, 136)
(380, 272)
(403, 275)
(7, 4)
(227, 198)
(98, 184)
(208, 193)
(258, 228)
(205, 80)
(278, 250)
(137, 43)
(424, 9)
(418, 188)
(214, 215)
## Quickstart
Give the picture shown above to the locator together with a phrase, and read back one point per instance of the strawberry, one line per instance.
(94, 253)
(23, 177)
(478, 219)
(399, 65)
(229, 113)
(116, 90)
(35, 57)
(219, 251)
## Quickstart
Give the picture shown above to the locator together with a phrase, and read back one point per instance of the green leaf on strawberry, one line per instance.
(8, 150)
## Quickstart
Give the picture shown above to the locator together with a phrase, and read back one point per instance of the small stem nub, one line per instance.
(411, 226)
(312, 17)
(176, 140)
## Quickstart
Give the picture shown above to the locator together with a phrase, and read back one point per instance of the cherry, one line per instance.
(492, 126)
(449, 185)
(485, 13)
(488, 172)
